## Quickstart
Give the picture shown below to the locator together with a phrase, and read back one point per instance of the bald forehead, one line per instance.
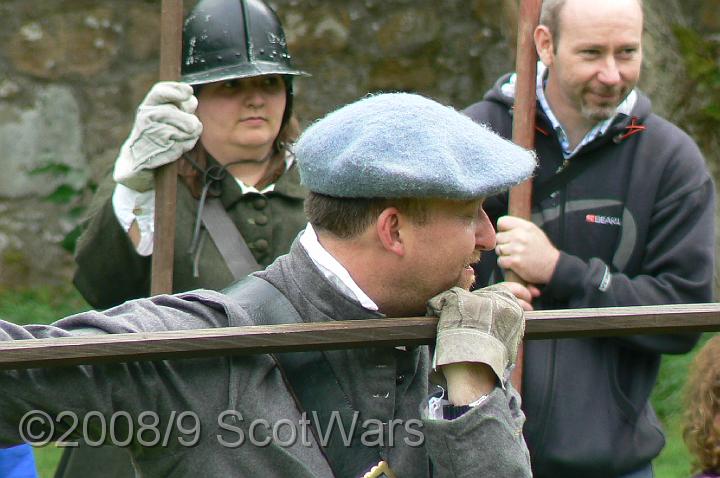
(593, 12)
(588, 7)
(553, 11)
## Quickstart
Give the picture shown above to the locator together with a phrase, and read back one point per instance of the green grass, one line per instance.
(47, 304)
(674, 461)
(41, 305)
(667, 398)
(47, 459)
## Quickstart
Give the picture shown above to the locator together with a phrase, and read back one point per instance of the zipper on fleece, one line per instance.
(561, 229)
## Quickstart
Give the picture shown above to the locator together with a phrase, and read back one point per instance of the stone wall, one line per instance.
(73, 71)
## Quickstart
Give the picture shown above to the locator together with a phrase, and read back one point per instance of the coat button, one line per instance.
(261, 245)
(261, 220)
(260, 203)
(400, 379)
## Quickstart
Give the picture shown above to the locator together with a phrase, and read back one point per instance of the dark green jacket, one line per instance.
(109, 270)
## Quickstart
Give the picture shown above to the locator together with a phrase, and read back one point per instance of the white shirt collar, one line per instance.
(332, 269)
(246, 188)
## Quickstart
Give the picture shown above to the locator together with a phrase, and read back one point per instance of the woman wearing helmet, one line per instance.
(239, 205)
(229, 123)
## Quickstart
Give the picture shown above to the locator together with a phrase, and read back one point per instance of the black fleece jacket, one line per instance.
(635, 226)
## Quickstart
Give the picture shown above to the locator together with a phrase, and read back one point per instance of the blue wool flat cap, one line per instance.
(405, 145)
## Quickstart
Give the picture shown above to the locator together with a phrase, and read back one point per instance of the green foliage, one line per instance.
(700, 56)
(702, 63)
(74, 188)
(63, 194)
(52, 168)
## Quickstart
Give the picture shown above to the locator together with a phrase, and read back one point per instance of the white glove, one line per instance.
(165, 128)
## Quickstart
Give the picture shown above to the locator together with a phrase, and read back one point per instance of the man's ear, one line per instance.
(544, 44)
(388, 231)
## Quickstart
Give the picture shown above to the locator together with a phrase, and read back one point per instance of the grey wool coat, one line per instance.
(486, 441)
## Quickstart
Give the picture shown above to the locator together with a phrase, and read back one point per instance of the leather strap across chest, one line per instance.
(312, 382)
(228, 240)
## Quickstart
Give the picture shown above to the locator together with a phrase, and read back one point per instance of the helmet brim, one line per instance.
(241, 70)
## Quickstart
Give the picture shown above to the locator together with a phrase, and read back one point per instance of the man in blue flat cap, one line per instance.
(395, 223)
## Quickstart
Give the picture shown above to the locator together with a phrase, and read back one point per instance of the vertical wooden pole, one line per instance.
(166, 176)
(524, 125)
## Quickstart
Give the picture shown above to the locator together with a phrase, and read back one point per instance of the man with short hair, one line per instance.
(396, 221)
(622, 215)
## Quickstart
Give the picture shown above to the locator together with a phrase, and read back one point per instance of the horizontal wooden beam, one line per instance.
(342, 334)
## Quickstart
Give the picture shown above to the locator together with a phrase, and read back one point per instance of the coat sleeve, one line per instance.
(109, 270)
(677, 259)
(485, 441)
(70, 392)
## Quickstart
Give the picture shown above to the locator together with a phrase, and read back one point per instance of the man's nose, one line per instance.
(609, 73)
(484, 233)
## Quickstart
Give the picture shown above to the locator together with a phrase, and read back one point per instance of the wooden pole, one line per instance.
(166, 176)
(611, 321)
(523, 133)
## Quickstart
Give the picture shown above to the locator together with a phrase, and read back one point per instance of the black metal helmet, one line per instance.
(231, 39)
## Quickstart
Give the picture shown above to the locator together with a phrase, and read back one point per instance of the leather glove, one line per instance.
(165, 128)
(484, 326)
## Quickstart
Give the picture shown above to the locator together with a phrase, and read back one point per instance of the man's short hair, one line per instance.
(550, 17)
(346, 218)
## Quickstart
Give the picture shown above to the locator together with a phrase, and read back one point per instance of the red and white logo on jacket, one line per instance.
(598, 219)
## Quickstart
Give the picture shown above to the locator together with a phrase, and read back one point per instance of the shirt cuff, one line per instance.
(440, 408)
(134, 206)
